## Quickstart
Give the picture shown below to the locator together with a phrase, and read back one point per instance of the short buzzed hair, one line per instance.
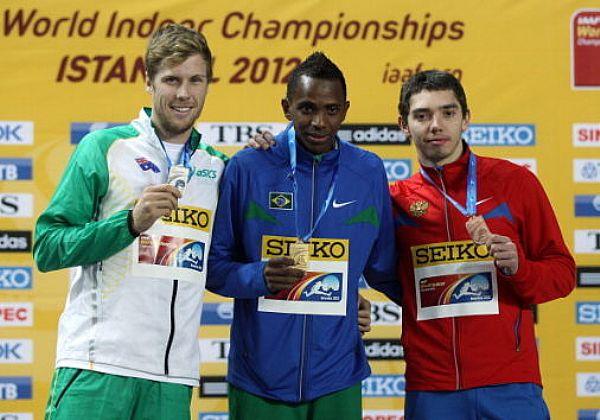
(317, 66)
(173, 44)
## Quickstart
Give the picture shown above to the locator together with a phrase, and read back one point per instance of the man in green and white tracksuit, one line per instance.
(134, 213)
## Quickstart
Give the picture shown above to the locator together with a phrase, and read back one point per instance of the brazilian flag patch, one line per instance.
(281, 200)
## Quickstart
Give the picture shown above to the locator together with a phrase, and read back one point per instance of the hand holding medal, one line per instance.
(502, 249)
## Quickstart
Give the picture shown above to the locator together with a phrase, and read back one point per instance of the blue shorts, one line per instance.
(497, 402)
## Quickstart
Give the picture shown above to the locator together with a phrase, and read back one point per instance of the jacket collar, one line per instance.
(143, 124)
(303, 156)
(454, 171)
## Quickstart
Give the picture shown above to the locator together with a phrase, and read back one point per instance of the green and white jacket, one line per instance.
(134, 304)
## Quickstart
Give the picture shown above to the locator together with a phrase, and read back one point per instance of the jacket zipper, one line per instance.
(172, 331)
(305, 325)
(518, 331)
(454, 320)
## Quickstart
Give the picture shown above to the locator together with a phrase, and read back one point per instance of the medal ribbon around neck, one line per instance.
(291, 135)
(184, 158)
(471, 205)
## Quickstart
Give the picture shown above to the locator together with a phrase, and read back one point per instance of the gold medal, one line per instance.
(299, 253)
(419, 208)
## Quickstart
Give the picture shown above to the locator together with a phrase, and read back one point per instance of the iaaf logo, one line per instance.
(15, 169)
(214, 350)
(235, 133)
(16, 205)
(16, 314)
(385, 313)
(585, 43)
(16, 132)
(15, 387)
(373, 134)
(15, 278)
(586, 170)
(16, 351)
(383, 349)
(500, 135)
(586, 135)
(383, 415)
(81, 129)
(383, 386)
(587, 348)
(217, 313)
(396, 169)
(528, 163)
(588, 384)
(587, 241)
(15, 241)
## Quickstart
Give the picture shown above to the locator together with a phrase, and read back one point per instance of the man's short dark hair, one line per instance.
(431, 80)
(316, 66)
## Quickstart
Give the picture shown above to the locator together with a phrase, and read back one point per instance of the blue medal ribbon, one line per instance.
(471, 204)
(184, 158)
(291, 134)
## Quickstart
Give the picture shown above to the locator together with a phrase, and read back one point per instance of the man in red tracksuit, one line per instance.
(467, 320)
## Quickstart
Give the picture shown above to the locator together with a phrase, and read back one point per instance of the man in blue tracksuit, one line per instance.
(295, 228)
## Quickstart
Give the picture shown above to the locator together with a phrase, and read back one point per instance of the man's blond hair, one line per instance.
(172, 45)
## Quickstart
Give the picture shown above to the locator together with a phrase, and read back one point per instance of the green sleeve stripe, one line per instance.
(213, 152)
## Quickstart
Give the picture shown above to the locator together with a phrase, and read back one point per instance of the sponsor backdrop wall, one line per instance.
(530, 70)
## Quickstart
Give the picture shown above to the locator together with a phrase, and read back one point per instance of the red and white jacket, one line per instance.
(465, 351)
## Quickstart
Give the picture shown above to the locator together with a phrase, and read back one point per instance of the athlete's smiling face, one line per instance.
(178, 94)
(317, 107)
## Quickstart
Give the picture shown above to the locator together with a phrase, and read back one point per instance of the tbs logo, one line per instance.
(385, 313)
(235, 134)
(81, 129)
(214, 350)
(16, 205)
(396, 169)
(15, 278)
(16, 132)
(15, 169)
(500, 135)
(15, 387)
(383, 386)
(16, 351)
